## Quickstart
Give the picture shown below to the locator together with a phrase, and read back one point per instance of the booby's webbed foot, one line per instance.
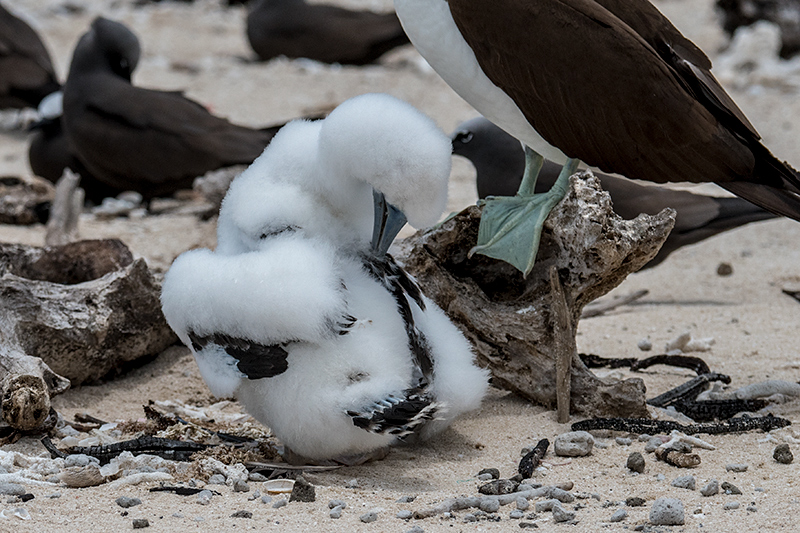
(511, 227)
(396, 415)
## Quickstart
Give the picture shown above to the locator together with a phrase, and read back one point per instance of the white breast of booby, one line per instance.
(433, 32)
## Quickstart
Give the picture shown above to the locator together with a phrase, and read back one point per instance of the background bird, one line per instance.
(611, 83)
(26, 72)
(319, 334)
(331, 34)
(499, 162)
(130, 138)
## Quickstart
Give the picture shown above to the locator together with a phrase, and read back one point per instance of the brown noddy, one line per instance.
(499, 162)
(326, 33)
(130, 138)
(26, 71)
(610, 83)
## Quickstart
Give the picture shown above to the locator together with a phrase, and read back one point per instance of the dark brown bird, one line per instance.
(26, 72)
(499, 162)
(611, 83)
(130, 138)
(325, 33)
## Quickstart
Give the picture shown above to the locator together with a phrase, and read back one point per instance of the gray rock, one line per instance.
(730, 488)
(711, 488)
(216, 479)
(303, 491)
(545, 505)
(54, 495)
(484, 477)
(562, 515)
(489, 505)
(752, 508)
(667, 512)
(256, 495)
(730, 506)
(619, 515)
(242, 514)
(493, 472)
(337, 503)
(783, 454)
(255, 476)
(204, 497)
(522, 503)
(574, 444)
(126, 501)
(336, 512)
(498, 486)
(516, 514)
(635, 462)
(266, 498)
(369, 517)
(241, 486)
(280, 503)
(623, 441)
(79, 459)
(12, 489)
(404, 515)
(645, 345)
(352, 484)
(684, 482)
(469, 517)
(652, 444)
(739, 467)
(406, 499)
(140, 523)
(416, 529)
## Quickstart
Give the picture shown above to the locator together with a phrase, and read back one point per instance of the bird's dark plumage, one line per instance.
(326, 33)
(499, 162)
(614, 84)
(26, 72)
(255, 360)
(129, 138)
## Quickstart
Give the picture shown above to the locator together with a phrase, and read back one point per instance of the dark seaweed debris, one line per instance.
(174, 450)
(532, 459)
(653, 427)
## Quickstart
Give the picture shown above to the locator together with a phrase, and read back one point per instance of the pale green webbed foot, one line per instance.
(511, 227)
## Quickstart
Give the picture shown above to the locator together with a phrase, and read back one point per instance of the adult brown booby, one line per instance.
(131, 138)
(499, 162)
(326, 33)
(611, 83)
(26, 72)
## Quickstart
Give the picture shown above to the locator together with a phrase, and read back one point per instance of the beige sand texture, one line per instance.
(200, 48)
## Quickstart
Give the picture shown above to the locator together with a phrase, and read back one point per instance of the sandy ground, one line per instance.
(201, 49)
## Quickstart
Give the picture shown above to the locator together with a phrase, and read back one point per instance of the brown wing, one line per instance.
(562, 58)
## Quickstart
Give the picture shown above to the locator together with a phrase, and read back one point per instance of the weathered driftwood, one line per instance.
(24, 201)
(517, 328)
(26, 386)
(87, 309)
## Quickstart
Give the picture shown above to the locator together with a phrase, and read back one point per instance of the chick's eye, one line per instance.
(272, 232)
(464, 137)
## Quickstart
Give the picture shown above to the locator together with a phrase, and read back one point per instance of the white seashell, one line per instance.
(278, 486)
(22, 513)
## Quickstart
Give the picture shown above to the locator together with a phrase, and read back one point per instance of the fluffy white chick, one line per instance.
(326, 342)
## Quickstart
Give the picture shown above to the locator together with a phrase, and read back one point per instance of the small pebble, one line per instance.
(303, 491)
(255, 476)
(574, 444)
(242, 514)
(731, 505)
(635, 502)
(516, 514)
(126, 501)
(177, 515)
(652, 444)
(204, 497)
(489, 505)
(752, 508)
(660, 477)
(684, 482)
(545, 505)
(352, 484)
(528, 525)
(25, 497)
(336, 512)
(404, 515)
(216, 479)
(12, 489)
(266, 498)
(336, 503)
(280, 503)
(730, 488)
(736, 468)
(783, 454)
(623, 441)
(619, 515)
(711, 488)
(469, 517)
(494, 472)
(522, 503)
(241, 486)
(562, 515)
(498, 486)
(635, 462)
(368, 517)
(79, 459)
(54, 495)
(645, 345)
(484, 477)
(416, 529)
(724, 269)
(140, 523)
(406, 499)
(667, 512)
